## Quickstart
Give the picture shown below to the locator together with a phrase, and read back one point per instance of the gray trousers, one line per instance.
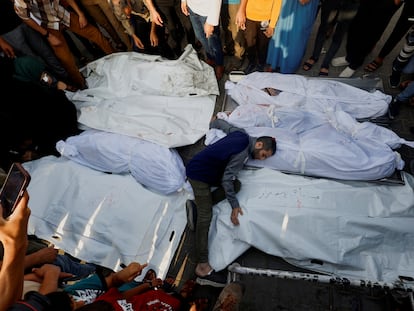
(205, 199)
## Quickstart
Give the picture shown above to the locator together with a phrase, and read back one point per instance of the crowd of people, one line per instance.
(39, 46)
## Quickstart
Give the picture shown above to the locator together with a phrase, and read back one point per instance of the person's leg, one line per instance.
(197, 22)
(250, 35)
(142, 30)
(204, 203)
(91, 33)
(219, 195)
(341, 29)
(262, 45)
(236, 33)
(27, 41)
(328, 13)
(116, 24)
(96, 13)
(406, 94)
(400, 29)
(170, 20)
(186, 25)
(65, 56)
(228, 43)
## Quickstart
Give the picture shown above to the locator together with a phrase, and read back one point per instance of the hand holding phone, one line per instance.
(13, 188)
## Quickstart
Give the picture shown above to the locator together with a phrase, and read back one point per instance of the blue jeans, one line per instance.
(405, 95)
(212, 45)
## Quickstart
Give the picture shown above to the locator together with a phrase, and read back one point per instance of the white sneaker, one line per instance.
(347, 73)
(339, 61)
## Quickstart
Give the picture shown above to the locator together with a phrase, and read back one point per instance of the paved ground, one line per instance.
(274, 293)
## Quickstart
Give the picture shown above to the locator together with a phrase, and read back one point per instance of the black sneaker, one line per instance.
(395, 79)
(215, 279)
(394, 108)
(191, 210)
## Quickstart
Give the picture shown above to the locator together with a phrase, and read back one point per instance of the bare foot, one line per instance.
(203, 269)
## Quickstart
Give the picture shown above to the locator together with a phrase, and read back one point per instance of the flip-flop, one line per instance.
(372, 66)
(307, 65)
(323, 73)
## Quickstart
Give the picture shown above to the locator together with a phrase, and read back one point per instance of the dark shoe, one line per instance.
(394, 108)
(251, 68)
(191, 210)
(395, 79)
(215, 279)
(219, 70)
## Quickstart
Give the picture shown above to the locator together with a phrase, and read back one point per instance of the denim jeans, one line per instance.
(205, 199)
(212, 45)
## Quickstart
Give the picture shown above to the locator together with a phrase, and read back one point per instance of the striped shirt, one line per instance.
(50, 13)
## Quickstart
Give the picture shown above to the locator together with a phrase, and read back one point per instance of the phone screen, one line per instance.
(13, 188)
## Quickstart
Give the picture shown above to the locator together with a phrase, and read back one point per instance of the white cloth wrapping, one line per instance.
(156, 167)
(325, 144)
(312, 94)
(169, 102)
(359, 230)
(107, 219)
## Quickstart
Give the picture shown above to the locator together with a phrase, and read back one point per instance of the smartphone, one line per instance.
(13, 188)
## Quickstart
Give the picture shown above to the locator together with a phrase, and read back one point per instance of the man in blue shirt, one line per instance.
(217, 166)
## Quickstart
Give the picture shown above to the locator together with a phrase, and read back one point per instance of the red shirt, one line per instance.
(150, 300)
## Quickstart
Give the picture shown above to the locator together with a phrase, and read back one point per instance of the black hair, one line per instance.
(59, 301)
(269, 143)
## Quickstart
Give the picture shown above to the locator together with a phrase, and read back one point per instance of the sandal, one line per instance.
(324, 72)
(309, 64)
(373, 66)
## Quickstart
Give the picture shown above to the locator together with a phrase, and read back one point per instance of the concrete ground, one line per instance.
(295, 293)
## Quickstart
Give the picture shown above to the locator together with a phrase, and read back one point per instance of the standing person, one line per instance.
(18, 39)
(13, 236)
(218, 166)
(234, 41)
(144, 25)
(204, 16)
(366, 28)
(402, 59)
(400, 29)
(288, 43)
(170, 11)
(101, 12)
(258, 20)
(54, 19)
(337, 14)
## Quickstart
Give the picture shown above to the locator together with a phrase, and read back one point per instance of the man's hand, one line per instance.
(83, 22)
(138, 42)
(241, 20)
(235, 215)
(184, 8)
(208, 30)
(7, 48)
(269, 32)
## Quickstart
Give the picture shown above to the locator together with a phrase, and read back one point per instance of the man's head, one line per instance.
(264, 147)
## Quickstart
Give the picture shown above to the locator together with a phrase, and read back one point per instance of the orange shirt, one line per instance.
(262, 10)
